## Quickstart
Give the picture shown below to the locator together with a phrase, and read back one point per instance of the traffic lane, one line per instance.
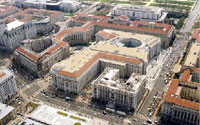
(81, 108)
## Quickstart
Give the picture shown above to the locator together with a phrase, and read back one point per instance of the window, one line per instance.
(112, 95)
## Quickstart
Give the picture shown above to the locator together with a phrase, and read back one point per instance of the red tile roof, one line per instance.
(4, 9)
(106, 34)
(28, 15)
(53, 49)
(179, 101)
(185, 75)
(196, 34)
(123, 18)
(34, 57)
(27, 54)
(2, 74)
(133, 25)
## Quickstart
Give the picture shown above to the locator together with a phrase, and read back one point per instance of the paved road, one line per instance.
(82, 108)
(177, 51)
(192, 18)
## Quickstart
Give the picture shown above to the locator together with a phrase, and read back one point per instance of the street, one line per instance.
(177, 51)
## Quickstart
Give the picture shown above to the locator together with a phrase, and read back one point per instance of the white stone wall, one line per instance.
(11, 40)
(179, 114)
(7, 89)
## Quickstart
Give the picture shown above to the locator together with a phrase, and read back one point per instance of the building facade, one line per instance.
(154, 14)
(8, 85)
(69, 6)
(14, 33)
(109, 89)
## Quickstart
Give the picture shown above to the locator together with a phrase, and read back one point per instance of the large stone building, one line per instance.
(15, 32)
(108, 88)
(146, 13)
(37, 56)
(26, 25)
(85, 27)
(39, 4)
(7, 114)
(42, 19)
(181, 103)
(127, 52)
(63, 5)
(8, 86)
(69, 5)
(7, 11)
(146, 46)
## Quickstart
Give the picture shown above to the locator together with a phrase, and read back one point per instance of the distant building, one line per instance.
(37, 56)
(86, 26)
(8, 85)
(7, 114)
(181, 103)
(146, 13)
(40, 4)
(69, 6)
(109, 89)
(63, 5)
(6, 11)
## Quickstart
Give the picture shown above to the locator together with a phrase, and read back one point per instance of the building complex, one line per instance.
(127, 52)
(181, 104)
(26, 25)
(7, 85)
(86, 26)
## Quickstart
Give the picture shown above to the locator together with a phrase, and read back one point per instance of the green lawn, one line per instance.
(121, 2)
(62, 113)
(189, 3)
(180, 16)
(103, 1)
(69, 15)
(33, 105)
(77, 123)
(171, 6)
(197, 24)
(77, 118)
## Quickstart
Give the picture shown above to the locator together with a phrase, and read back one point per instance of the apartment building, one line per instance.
(8, 85)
